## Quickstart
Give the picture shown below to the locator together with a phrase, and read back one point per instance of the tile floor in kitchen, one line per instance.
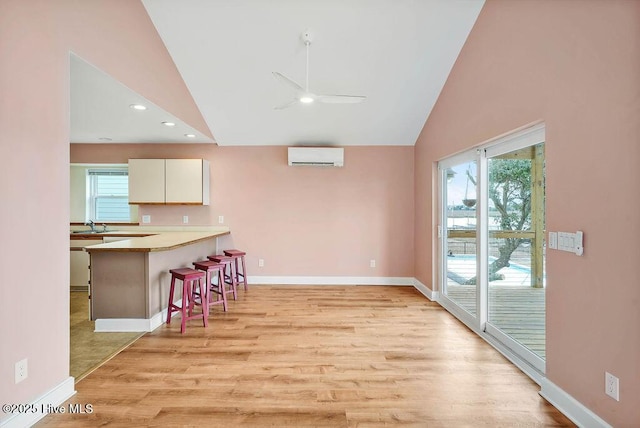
(88, 349)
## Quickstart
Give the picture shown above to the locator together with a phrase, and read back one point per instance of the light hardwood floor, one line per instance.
(328, 356)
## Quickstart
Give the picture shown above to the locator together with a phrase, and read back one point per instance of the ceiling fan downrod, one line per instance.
(306, 38)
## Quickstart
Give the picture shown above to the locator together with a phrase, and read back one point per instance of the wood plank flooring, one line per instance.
(322, 356)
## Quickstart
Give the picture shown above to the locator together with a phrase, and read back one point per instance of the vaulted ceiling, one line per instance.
(397, 53)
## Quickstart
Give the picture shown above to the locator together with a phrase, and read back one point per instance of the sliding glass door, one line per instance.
(516, 278)
(459, 230)
(492, 232)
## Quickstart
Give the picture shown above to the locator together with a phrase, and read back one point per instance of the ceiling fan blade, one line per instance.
(284, 106)
(341, 99)
(284, 79)
(304, 95)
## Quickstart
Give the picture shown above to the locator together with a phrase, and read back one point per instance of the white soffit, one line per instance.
(100, 112)
(396, 52)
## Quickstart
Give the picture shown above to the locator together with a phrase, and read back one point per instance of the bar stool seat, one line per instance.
(238, 256)
(190, 278)
(230, 277)
(210, 268)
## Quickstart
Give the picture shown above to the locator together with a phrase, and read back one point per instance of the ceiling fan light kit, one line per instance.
(303, 95)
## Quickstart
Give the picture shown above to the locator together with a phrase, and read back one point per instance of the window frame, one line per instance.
(92, 195)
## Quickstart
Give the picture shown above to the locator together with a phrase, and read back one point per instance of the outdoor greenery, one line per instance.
(510, 194)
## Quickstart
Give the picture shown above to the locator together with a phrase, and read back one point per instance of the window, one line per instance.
(108, 195)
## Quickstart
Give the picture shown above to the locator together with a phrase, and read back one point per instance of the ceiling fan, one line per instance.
(303, 95)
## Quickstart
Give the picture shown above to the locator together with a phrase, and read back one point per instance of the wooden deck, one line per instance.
(518, 311)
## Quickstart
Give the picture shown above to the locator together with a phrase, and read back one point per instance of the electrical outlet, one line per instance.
(21, 370)
(260, 262)
(146, 219)
(221, 219)
(372, 263)
(611, 386)
(185, 219)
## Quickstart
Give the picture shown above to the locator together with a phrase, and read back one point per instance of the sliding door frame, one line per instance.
(509, 144)
(530, 363)
(451, 306)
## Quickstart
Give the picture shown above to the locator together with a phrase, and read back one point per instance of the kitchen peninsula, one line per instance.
(129, 286)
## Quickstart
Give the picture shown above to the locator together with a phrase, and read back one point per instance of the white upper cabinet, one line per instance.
(146, 181)
(169, 181)
(187, 181)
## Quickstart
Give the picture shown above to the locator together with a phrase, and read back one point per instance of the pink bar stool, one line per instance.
(214, 268)
(228, 263)
(238, 256)
(189, 278)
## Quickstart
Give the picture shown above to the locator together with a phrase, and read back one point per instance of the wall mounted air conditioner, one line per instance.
(316, 156)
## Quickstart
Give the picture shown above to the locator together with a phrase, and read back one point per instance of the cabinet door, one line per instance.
(79, 262)
(146, 181)
(184, 181)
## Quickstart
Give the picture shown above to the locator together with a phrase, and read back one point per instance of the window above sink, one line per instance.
(108, 195)
(99, 192)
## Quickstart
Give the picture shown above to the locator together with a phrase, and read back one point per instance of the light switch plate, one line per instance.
(567, 241)
(578, 248)
(146, 219)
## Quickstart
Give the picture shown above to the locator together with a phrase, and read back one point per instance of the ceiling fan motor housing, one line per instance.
(307, 37)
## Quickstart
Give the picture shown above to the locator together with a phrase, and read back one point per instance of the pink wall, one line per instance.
(35, 40)
(303, 221)
(575, 65)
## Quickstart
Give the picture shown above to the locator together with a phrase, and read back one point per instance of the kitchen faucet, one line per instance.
(91, 225)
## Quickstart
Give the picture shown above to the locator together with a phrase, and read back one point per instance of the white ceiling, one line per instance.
(100, 112)
(398, 53)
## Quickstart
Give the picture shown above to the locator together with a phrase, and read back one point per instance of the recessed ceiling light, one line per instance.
(105, 139)
(138, 107)
(190, 135)
(306, 99)
(168, 124)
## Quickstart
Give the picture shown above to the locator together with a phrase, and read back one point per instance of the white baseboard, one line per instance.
(51, 399)
(426, 291)
(570, 407)
(329, 280)
(122, 325)
(130, 325)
